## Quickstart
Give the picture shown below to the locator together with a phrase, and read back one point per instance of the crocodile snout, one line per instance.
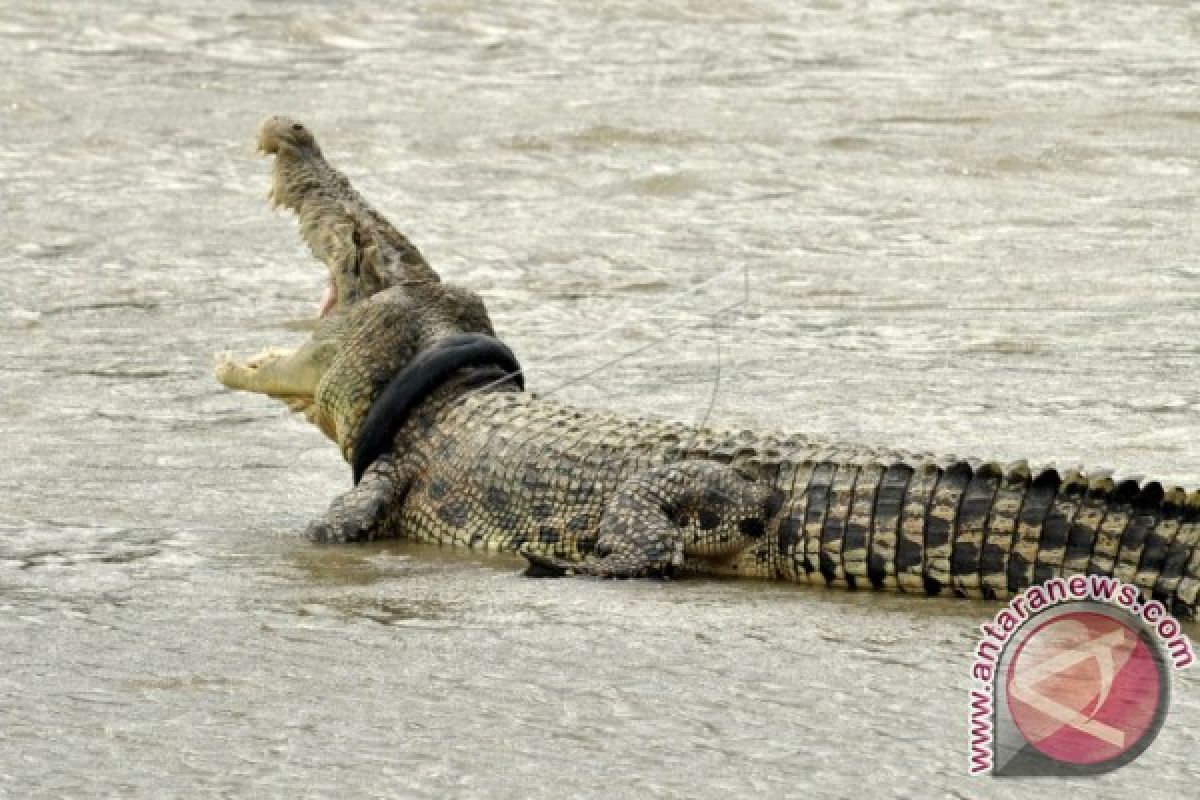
(277, 132)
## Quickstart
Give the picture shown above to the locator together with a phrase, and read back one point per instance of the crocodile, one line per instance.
(405, 374)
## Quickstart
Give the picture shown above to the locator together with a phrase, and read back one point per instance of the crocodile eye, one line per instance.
(297, 127)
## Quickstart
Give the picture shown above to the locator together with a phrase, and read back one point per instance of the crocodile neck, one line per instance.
(420, 378)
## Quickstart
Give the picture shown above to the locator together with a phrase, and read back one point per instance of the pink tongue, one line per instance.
(327, 301)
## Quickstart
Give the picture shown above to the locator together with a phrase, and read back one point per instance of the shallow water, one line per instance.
(935, 226)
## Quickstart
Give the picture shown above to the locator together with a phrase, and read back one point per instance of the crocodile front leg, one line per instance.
(358, 514)
(660, 516)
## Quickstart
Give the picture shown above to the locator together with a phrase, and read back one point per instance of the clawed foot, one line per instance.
(350, 519)
(542, 566)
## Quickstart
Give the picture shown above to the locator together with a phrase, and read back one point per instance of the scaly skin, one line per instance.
(581, 492)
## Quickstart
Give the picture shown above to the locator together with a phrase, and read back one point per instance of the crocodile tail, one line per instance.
(986, 530)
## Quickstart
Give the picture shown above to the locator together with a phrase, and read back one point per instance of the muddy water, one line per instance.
(943, 226)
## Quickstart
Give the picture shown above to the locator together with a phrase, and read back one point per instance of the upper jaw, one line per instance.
(282, 136)
(363, 252)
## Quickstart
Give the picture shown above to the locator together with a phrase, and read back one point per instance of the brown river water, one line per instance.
(949, 226)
